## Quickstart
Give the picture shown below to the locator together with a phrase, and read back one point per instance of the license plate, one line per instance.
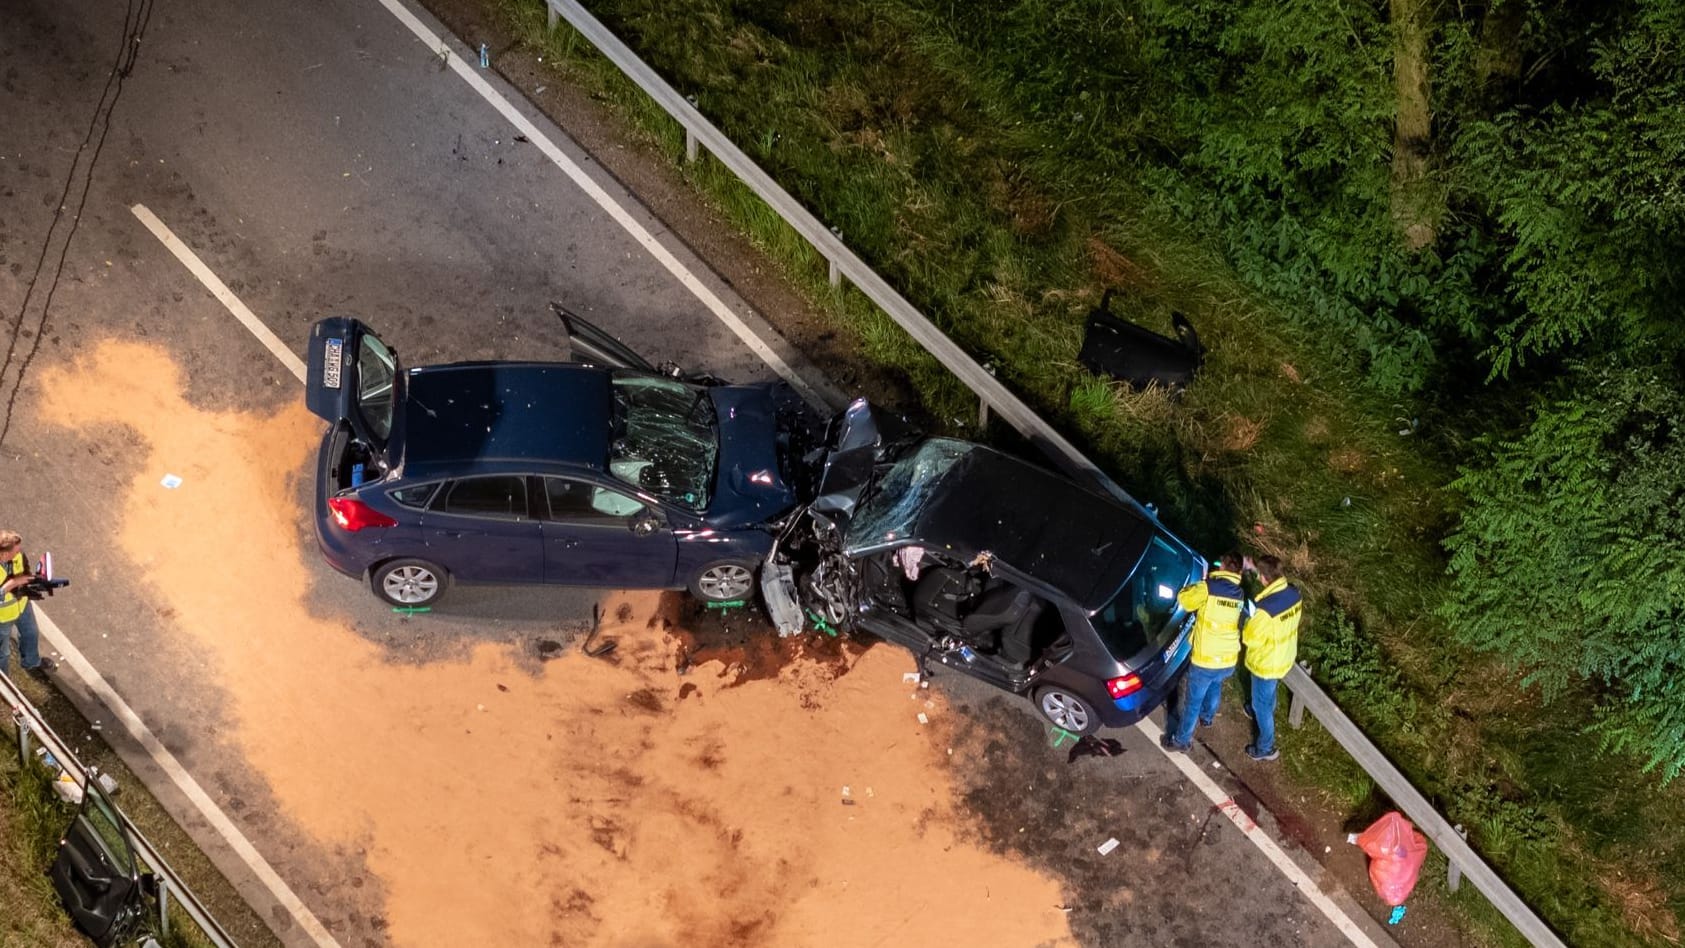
(331, 360)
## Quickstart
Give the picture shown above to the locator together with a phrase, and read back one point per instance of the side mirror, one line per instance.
(646, 523)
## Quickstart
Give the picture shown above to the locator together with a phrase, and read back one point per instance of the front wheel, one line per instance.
(1067, 711)
(409, 583)
(725, 581)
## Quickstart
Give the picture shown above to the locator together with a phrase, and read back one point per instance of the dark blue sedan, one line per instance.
(603, 473)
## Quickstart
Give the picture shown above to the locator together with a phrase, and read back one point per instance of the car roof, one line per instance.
(1037, 522)
(505, 411)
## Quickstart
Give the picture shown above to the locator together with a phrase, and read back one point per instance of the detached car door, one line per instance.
(96, 873)
(598, 536)
(481, 530)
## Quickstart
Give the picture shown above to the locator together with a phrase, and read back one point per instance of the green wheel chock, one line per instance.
(411, 610)
(1058, 735)
(730, 604)
(823, 626)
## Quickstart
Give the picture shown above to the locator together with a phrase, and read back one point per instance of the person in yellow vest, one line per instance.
(1271, 637)
(17, 611)
(1217, 602)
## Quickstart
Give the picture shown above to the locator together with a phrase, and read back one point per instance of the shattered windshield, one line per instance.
(893, 505)
(1137, 616)
(665, 438)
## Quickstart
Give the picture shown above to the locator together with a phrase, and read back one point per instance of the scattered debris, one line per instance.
(924, 718)
(171, 481)
(1091, 746)
(1106, 847)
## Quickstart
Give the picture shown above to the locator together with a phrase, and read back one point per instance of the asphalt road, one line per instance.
(319, 160)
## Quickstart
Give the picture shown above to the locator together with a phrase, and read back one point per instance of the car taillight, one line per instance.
(354, 515)
(1127, 685)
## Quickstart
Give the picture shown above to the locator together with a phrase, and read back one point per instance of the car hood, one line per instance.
(862, 437)
(750, 484)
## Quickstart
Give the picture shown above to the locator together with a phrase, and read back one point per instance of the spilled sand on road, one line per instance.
(578, 801)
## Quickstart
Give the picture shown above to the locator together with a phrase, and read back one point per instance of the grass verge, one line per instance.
(882, 123)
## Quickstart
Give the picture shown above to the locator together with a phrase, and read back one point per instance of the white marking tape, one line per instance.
(607, 202)
(218, 289)
(184, 781)
(1270, 848)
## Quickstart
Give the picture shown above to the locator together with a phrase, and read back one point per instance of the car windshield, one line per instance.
(893, 504)
(666, 438)
(1137, 617)
(376, 368)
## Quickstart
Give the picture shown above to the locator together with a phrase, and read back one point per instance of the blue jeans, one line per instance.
(1263, 712)
(1205, 690)
(29, 640)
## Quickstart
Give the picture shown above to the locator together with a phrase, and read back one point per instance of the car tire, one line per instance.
(1067, 710)
(724, 581)
(409, 583)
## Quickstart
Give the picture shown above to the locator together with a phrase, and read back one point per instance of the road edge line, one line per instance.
(1249, 827)
(184, 782)
(614, 208)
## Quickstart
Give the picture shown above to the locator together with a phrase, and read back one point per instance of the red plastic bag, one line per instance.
(1396, 852)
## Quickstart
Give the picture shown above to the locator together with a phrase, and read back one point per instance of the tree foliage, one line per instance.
(1568, 559)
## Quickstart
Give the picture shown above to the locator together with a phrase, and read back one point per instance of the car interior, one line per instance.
(950, 601)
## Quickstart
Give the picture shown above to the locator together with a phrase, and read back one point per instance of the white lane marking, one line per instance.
(219, 289)
(1270, 848)
(607, 202)
(184, 781)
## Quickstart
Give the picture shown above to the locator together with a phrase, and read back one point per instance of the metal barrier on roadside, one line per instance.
(843, 262)
(31, 726)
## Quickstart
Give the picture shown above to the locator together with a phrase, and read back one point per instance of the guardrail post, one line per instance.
(550, 8)
(1454, 875)
(690, 136)
(1296, 706)
(23, 736)
(163, 907)
(836, 272)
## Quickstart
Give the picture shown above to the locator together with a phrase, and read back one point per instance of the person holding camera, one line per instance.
(15, 610)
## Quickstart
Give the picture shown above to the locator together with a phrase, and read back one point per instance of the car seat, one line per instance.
(1003, 620)
(940, 594)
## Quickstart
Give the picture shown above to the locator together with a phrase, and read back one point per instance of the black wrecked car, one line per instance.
(990, 565)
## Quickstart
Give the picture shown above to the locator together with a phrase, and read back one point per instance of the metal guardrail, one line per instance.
(844, 262)
(31, 725)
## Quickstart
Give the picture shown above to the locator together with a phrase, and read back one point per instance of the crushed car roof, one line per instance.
(491, 411)
(974, 500)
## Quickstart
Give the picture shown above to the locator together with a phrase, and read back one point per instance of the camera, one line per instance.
(41, 584)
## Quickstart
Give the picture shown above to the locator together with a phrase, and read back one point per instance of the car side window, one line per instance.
(501, 495)
(578, 500)
(416, 496)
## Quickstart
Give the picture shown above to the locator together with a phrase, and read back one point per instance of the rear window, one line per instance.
(416, 496)
(376, 367)
(1138, 617)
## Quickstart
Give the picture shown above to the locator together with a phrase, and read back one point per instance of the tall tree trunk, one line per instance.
(1416, 205)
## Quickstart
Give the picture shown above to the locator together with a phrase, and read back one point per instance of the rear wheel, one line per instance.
(409, 583)
(725, 581)
(1067, 711)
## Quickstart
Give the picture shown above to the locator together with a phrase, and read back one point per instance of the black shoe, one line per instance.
(1205, 723)
(1165, 741)
(1252, 752)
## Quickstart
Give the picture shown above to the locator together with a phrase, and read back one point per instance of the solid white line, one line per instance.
(184, 781)
(1226, 805)
(218, 289)
(607, 202)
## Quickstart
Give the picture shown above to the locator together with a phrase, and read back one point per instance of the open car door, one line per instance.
(589, 343)
(95, 873)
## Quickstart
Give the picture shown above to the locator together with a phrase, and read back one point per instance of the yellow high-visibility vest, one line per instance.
(1216, 603)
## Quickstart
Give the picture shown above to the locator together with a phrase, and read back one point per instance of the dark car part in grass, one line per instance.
(989, 565)
(609, 473)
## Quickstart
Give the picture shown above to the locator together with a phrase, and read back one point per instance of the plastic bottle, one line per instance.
(967, 653)
(485, 57)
